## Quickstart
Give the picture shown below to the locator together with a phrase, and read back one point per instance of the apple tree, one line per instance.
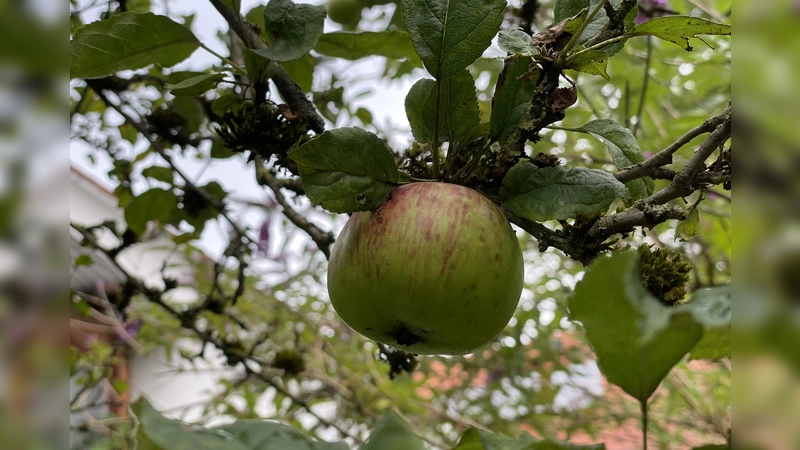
(591, 139)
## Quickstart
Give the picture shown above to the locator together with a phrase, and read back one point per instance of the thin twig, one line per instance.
(159, 148)
(562, 55)
(323, 239)
(288, 88)
(663, 157)
(645, 83)
(682, 184)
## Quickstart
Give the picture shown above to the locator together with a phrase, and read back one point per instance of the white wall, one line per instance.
(171, 384)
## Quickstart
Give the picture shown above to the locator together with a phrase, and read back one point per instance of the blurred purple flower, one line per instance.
(133, 327)
(263, 238)
(495, 375)
(651, 8)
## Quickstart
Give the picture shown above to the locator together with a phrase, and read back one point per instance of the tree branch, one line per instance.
(323, 239)
(681, 185)
(652, 211)
(187, 320)
(664, 157)
(288, 88)
(545, 236)
(641, 214)
(159, 148)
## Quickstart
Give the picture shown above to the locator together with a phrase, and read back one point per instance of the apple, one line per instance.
(436, 269)
(345, 12)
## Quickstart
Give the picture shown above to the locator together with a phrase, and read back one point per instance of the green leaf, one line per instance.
(83, 307)
(711, 308)
(302, 71)
(84, 260)
(592, 62)
(219, 151)
(512, 97)
(263, 435)
(516, 42)
(225, 103)
(364, 115)
(624, 150)
(458, 108)
(474, 439)
(129, 132)
(564, 9)
(715, 344)
(782, 333)
(294, 29)
(689, 226)
(346, 170)
(449, 35)
(129, 41)
(155, 204)
(196, 85)
(541, 194)
(157, 432)
(636, 338)
(159, 173)
(256, 66)
(392, 433)
(678, 29)
(352, 46)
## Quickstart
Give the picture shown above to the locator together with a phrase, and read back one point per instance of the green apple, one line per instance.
(436, 269)
(345, 12)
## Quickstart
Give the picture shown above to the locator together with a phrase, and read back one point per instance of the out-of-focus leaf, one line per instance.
(263, 435)
(156, 432)
(392, 433)
(294, 29)
(196, 85)
(155, 204)
(352, 46)
(474, 439)
(636, 338)
(678, 29)
(129, 41)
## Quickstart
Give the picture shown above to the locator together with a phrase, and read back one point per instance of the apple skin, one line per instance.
(345, 12)
(436, 269)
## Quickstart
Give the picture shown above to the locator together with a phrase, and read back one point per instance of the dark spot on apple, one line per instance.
(438, 236)
(404, 336)
(473, 287)
(368, 328)
(497, 256)
(427, 236)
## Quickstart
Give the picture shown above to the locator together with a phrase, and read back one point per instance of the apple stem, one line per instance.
(435, 145)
